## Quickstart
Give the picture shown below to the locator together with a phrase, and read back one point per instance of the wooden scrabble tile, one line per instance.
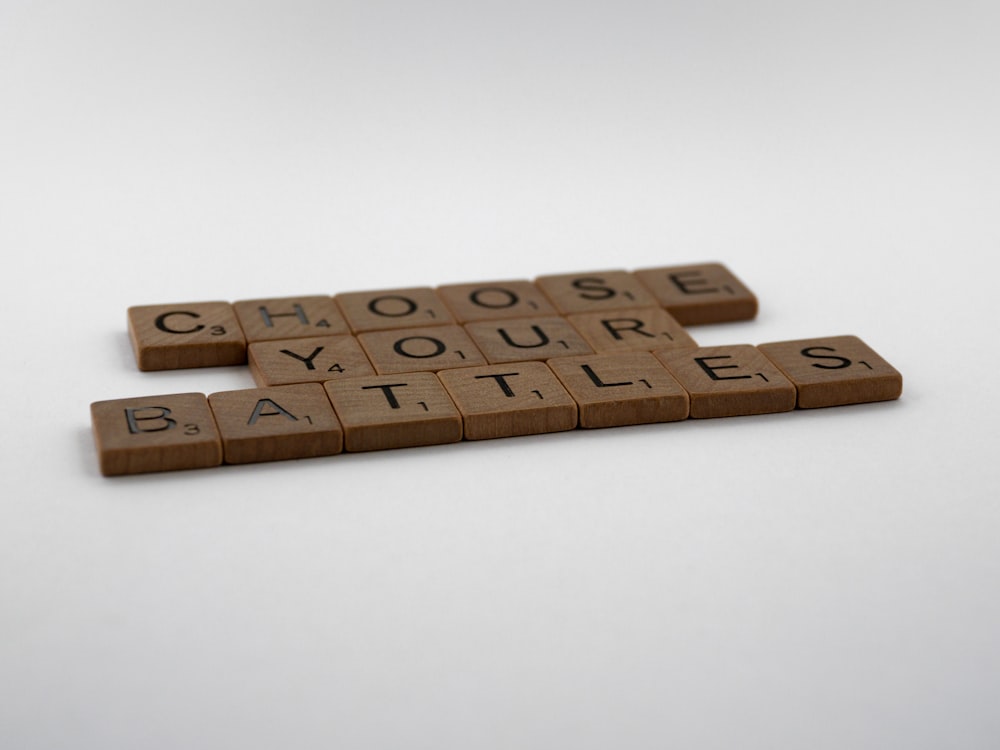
(507, 400)
(703, 293)
(728, 381)
(195, 334)
(595, 292)
(495, 300)
(420, 349)
(275, 424)
(835, 371)
(527, 339)
(155, 433)
(308, 360)
(643, 329)
(395, 411)
(393, 308)
(289, 318)
(612, 390)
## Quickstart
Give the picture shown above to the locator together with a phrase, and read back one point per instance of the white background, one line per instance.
(822, 579)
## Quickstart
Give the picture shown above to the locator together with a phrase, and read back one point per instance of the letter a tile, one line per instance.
(155, 433)
(274, 424)
(703, 293)
(835, 371)
(507, 400)
(613, 390)
(729, 381)
(395, 411)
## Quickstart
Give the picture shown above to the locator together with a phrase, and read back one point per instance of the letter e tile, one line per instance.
(729, 381)
(703, 293)
(835, 371)
(507, 400)
(274, 424)
(395, 411)
(155, 433)
(613, 390)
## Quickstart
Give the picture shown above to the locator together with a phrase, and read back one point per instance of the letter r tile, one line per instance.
(155, 433)
(395, 411)
(274, 424)
(194, 334)
(522, 398)
(613, 390)
(835, 371)
(729, 381)
(643, 329)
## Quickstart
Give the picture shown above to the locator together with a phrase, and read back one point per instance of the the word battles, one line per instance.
(363, 371)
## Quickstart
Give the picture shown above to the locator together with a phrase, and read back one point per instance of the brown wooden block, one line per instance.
(420, 349)
(527, 339)
(495, 300)
(155, 433)
(309, 360)
(835, 371)
(386, 309)
(289, 318)
(613, 390)
(194, 334)
(507, 400)
(395, 411)
(702, 293)
(643, 329)
(729, 381)
(274, 424)
(595, 292)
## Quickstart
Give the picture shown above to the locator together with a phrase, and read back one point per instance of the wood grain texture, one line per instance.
(729, 381)
(700, 293)
(835, 371)
(307, 360)
(595, 291)
(420, 349)
(193, 334)
(637, 329)
(386, 309)
(275, 424)
(495, 300)
(613, 390)
(289, 317)
(508, 400)
(395, 411)
(527, 339)
(155, 433)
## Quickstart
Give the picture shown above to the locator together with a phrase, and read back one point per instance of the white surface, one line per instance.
(825, 579)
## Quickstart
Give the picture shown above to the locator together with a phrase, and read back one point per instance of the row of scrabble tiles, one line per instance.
(377, 412)
(474, 323)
